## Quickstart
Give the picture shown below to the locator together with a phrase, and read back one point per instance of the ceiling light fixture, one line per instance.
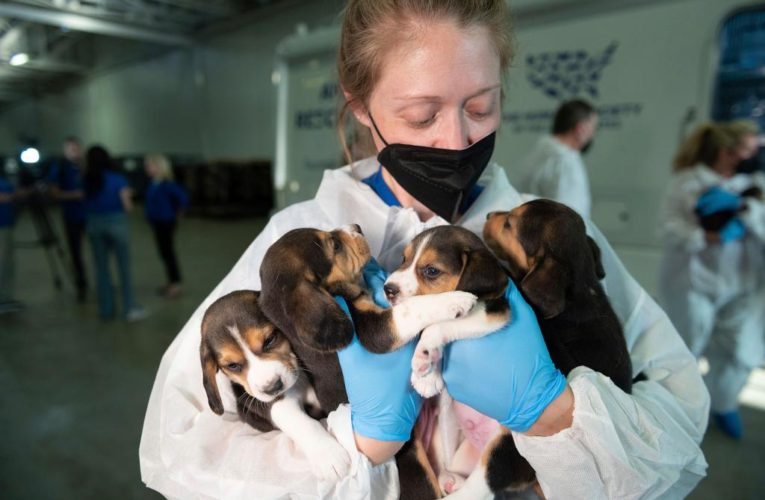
(19, 59)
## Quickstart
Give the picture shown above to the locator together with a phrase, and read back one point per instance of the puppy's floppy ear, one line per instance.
(545, 287)
(209, 369)
(481, 274)
(599, 271)
(312, 316)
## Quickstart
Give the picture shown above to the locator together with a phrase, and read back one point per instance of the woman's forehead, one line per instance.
(441, 63)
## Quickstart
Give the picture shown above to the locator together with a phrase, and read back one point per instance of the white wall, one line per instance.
(662, 66)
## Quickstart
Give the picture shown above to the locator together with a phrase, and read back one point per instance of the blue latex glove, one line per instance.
(507, 375)
(384, 405)
(716, 199)
(732, 231)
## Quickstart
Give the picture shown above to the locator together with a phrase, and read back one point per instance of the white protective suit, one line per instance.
(556, 171)
(714, 292)
(641, 446)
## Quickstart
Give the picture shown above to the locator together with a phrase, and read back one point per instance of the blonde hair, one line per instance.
(164, 168)
(371, 28)
(742, 128)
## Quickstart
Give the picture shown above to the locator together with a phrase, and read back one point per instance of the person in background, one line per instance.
(8, 195)
(424, 78)
(107, 199)
(165, 200)
(65, 180)
(711, 280)
(555, 167)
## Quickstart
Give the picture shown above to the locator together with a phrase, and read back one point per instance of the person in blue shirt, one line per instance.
(65, 179)
(7, 219)
(107, 199)
(165, 199)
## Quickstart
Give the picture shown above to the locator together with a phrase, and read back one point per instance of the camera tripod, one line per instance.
(36, 204)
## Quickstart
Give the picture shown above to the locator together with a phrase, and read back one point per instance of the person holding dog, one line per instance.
(424, 78)
(712, 278)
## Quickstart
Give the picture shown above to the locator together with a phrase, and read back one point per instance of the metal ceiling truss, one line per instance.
(62, 36)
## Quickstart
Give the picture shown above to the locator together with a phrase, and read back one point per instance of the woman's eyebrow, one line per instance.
(435, 98)
(484, 90)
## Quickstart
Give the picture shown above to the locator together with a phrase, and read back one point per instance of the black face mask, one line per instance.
(438, 178)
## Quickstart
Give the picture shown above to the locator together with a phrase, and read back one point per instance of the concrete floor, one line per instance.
(74, 390)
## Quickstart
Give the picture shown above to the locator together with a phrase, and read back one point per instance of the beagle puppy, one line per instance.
(444, 259)
(300, 273)
(716, 221)
(266, 377)
(558, 270)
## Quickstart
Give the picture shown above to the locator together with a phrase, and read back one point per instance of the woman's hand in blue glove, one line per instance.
(384, 406)
(507, 375)
(716, 199)
(732, 231)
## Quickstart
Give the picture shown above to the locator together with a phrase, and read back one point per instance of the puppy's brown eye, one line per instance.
(336, 243)
(431, 272)
(234, 367)
(507, 223)
(270, 341)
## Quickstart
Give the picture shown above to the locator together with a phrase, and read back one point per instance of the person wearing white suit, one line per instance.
(555, 168)
(440, 100)
(712, 281)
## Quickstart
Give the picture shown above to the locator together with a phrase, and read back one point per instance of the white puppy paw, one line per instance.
(429, 385)
(450, 482)
(427, 356)
(459, 303)
(328, 459)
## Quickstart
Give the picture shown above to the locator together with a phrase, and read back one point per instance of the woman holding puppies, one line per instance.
(711, 278)
(425, 77)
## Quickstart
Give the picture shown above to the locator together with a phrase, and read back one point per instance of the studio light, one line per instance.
(30, 156)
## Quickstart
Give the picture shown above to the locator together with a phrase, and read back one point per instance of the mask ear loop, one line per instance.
(376, 129)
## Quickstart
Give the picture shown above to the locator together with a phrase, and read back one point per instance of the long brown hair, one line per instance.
(371, 28)
(703, 145)
(708, 139)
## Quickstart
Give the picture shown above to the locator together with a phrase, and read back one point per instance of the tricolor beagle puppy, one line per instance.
(300, 274)
(558, 270)
(271, 391)
(445, 259)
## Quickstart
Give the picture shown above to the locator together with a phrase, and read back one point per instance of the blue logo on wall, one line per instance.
(568, 74)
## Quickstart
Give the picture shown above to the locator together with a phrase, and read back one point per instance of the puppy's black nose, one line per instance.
(391, 290)
(357, 228)
(274, 388)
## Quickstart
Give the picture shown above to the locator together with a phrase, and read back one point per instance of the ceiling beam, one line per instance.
(87, 24)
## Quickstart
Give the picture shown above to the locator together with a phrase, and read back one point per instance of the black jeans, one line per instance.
(75, 230)
(163, 234)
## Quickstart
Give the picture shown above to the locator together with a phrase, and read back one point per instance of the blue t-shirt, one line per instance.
(68, 177)
(164, 200)
(377, 183)
(6, 207)
(107, 200)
